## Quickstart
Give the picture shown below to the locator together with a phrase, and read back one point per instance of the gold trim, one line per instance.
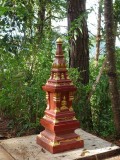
(69, 140)
(56, 99)
(74, 118)
(54, 75)
(71, 83)
(62, 76)
(50, 77)
(71, 93)
(57, 110)
(56, 84)
(54, 143)
(59, 66)
(78, 138)
(48, 107)
(40, 135)
(45, 138)
(71, 109)
(65, 118)
(55, 121)
(51, 118)
(57, 95)
(71, 97)
(44, 117)
(47, 95)
(67, 77)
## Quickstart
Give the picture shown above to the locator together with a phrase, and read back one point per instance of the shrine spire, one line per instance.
(59, 47)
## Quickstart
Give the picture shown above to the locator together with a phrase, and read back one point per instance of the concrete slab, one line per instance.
(25, 148)
(4, 155)
(114, 158)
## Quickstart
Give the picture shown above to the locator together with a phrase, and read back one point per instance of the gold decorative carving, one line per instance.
(40, 135)
(56, 84)
(47, 95)
(71, 97)
(59, 66)
(67, 77)
(55, 121)
(48, 107)
(57, 76)
(54, 143)
(62, 76)
(50, 77)
(71, 83)
(57, 110)
(78, 138)
(71, 109)
(44, 117)
(64, 104)
(56, 97)
(54, 75)
(74, 118)
(71, 93)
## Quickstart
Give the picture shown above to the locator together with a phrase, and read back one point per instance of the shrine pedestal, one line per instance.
(59, 120)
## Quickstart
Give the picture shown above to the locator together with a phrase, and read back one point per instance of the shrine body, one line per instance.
(59, 118)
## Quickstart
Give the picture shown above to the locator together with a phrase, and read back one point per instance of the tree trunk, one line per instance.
(97, 80)
(98, 37)
(110, 46)
(41, 15)
(79, 53)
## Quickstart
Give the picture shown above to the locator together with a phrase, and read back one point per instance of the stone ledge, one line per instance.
(4, 155)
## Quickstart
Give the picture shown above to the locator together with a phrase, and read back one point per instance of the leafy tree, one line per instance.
(26, 52)
(111, 61)
(79, 53)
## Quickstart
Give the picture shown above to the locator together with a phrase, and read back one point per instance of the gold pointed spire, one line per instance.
(59, 41)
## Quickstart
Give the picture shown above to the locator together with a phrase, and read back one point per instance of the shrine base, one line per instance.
(72, 142)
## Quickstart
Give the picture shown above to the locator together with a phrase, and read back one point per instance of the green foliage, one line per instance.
(80, 105)
(117, 10)
(21, 96)
(26, 50)
(26, 56)
(102, 116)
(100, 103)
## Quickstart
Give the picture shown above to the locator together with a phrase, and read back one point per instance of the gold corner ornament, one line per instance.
(55, 121)
(54, 143)
(59, 41)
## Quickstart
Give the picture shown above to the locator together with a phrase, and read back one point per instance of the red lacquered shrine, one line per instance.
(59, 120)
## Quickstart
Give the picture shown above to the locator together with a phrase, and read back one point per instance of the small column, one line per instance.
(59, 119)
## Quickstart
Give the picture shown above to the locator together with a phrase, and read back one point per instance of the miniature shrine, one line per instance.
(59, 120)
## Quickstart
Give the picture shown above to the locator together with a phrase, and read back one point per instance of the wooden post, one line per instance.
(59, 120)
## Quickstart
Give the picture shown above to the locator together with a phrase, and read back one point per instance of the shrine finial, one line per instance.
(59, 41)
